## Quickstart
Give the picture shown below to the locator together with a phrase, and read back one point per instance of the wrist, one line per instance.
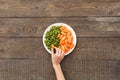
(55, 66)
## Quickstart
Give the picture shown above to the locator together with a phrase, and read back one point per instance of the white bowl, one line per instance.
(68, 27)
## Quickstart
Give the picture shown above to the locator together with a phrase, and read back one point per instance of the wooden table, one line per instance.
(96, 23)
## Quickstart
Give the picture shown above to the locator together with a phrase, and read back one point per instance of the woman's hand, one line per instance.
(57, 58)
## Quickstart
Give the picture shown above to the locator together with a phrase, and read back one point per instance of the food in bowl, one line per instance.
(51, 37)
(60, 37)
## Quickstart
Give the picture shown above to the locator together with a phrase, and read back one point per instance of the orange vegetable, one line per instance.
(58, 35)
(62, 47)
(61, 42)
(69, 34)
(52, 46)
(69, 39)
(66, 42)
(68, 45)
(62, 28)
(71, 46)
(66, 39)
(63, 38)
(63, 33)
(65, 47)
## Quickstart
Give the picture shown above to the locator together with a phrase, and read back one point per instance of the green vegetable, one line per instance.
(51, 37)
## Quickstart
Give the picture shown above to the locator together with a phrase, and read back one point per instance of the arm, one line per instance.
(56, 59)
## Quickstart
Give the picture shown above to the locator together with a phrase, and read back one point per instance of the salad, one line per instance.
(60, 37)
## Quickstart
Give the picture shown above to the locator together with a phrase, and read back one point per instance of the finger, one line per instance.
(62, 53)
(59, 52)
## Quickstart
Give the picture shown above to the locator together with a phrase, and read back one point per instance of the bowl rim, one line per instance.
(57, 24)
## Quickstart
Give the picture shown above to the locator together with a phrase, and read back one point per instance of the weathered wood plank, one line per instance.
(41, 69)
(84, 27)
(99, 48)
(91, 70)
(21, 48)
(110, 71)
(56, 8)
(35, 1)
(26, 69)
(86, 49)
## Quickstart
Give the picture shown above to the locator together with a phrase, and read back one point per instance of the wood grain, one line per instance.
(97, 48)
(26, 69)
(91, 70)
(96, 23)
(86, 49)
(56, 8)
(84, 27)
(41, 69)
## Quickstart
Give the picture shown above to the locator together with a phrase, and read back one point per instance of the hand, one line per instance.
(57, 58)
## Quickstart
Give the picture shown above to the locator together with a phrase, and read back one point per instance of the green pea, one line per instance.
(51, 37)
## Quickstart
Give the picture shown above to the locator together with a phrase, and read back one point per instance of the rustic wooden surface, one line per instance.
(96, 23)
(56, 8)
(84, 27)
